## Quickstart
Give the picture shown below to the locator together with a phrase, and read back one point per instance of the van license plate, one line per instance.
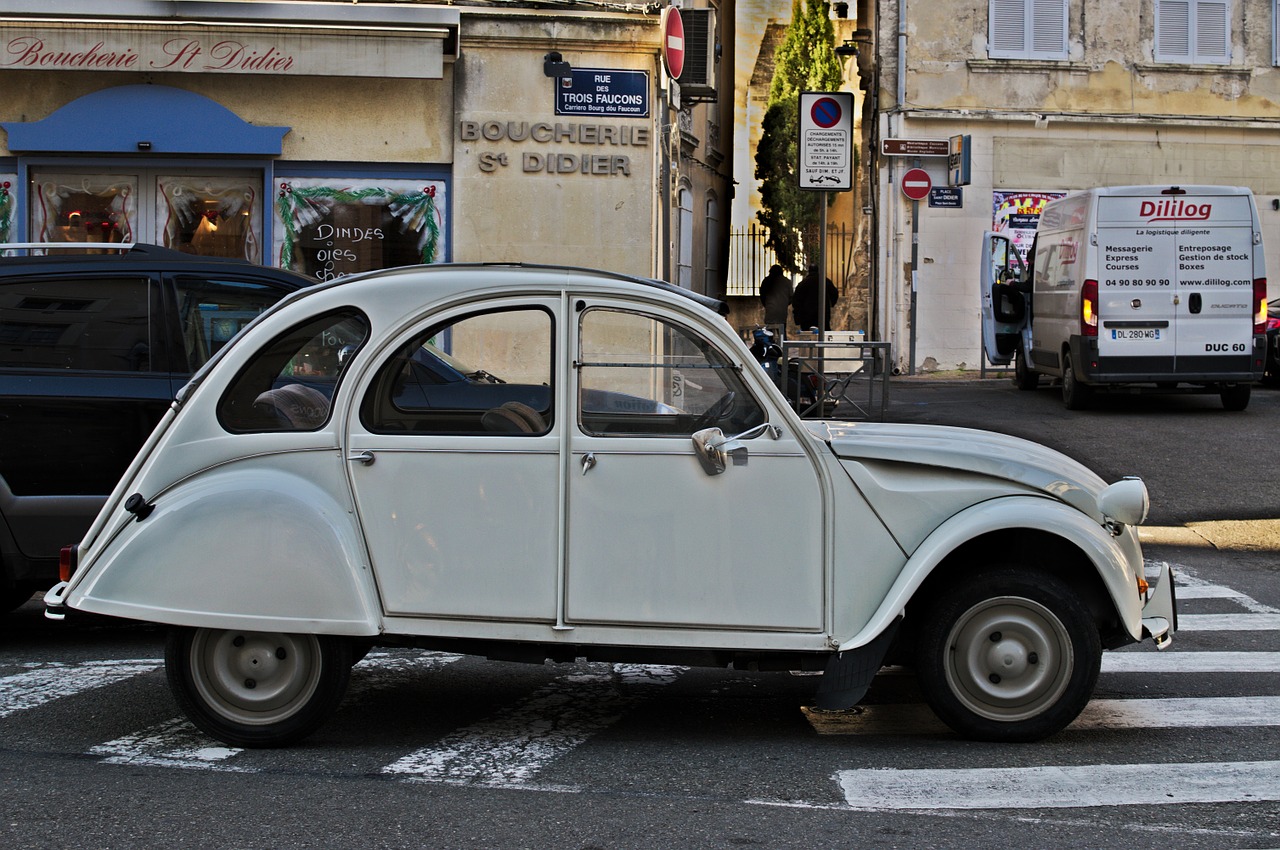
(1136, 333)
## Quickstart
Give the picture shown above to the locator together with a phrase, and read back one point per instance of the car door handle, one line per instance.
(588, 461)
(365, 457)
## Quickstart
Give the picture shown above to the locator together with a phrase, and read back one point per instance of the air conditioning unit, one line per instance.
(698, 79)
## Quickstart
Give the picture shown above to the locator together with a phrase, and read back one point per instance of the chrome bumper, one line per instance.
(1160, 613)
(54, 608)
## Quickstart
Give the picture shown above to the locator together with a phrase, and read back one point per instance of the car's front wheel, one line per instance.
(1008, 656)
(256, 689)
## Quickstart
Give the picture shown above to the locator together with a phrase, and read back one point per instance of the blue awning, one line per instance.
(151, 118)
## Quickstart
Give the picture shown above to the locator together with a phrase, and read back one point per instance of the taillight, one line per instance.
(1089, 308)
(67, 558)
(1260, 305)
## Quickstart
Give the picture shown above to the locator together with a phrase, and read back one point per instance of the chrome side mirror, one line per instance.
(715, 451)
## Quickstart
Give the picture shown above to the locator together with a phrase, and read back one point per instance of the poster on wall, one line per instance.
(327, 227)
(8, 182)
(1016, 214)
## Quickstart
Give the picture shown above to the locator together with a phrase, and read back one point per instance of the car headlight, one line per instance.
(1125, 502)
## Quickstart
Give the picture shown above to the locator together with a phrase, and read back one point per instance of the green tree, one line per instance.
(806, 61)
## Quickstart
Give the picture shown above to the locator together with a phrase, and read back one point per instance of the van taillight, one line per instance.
(1260, 305)
(1089, 308)
(67, 558)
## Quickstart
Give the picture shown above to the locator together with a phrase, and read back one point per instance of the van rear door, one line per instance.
(1215, 285)
(1137, 288)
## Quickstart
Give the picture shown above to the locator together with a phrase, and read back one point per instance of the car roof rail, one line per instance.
(35, 249)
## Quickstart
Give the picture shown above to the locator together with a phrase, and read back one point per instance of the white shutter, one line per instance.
(1008, 28)
(1193, 31)
(1049, 29)
(1027, 29)
(1213, 31)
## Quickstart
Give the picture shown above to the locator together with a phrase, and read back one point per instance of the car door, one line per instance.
(653, 538)
(1138, 288)
(455, 464)
(1004, 307)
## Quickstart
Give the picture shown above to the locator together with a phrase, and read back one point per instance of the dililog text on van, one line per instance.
(1132, 288)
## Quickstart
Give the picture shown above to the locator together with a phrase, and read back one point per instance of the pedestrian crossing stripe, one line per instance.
(1059, 787)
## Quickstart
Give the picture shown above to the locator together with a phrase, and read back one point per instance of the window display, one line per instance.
(329, 227)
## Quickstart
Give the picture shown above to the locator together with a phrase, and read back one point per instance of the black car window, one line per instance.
(88, 323)
(641, 375)
(212, 311)
(486, 373)
(290, 382)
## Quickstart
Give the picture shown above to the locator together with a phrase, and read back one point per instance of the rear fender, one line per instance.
(253, 545)
(1117, 560)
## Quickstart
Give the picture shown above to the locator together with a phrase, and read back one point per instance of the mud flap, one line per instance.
(849, 674)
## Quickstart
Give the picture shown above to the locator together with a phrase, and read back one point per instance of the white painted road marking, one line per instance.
(1055, 787)
(45, 682)
(1173, 661)
(1098, 715)
(509, 749)
(173, 743)
(1228, 622)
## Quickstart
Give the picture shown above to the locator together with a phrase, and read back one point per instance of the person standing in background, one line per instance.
(804, 303)
(775, 295)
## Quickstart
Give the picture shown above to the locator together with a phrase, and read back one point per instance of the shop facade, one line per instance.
(332, 138)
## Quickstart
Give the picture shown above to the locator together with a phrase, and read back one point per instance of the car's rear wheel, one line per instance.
(1075, 395)
(256, 689)
(1008, 656)
(1235, 397)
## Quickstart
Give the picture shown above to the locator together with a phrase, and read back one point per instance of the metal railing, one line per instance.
(857, 388)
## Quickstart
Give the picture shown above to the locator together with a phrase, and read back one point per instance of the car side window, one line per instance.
(483, 373)
(91, 323)
(641, 375)
(211, 312)
(290, 382)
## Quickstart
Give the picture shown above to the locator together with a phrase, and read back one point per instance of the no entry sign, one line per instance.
(916, 184)
(672, 41)
(826, 141)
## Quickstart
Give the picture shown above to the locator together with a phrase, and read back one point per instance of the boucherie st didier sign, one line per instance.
(417, 54)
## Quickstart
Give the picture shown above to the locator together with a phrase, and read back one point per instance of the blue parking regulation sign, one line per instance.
(826, 141)
(604, 92)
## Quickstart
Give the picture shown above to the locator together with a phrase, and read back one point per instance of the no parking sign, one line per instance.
(826, 141)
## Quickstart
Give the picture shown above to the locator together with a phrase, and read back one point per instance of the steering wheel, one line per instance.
(722, 407)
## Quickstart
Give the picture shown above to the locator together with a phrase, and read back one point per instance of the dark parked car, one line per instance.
(93, 348)
(1272, 375)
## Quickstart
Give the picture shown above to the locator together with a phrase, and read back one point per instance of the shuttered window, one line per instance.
(1193, 31)
(1027, 29)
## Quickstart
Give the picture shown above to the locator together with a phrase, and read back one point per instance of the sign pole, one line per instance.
(915, 258)
(822, 291)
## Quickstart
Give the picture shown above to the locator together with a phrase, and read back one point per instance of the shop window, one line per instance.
(84, 208)
(99, 324)
(641, 375)
(486, 373)
(330, 227)
(289, 384)
(8, 201)
(711, 271)
(210, 216)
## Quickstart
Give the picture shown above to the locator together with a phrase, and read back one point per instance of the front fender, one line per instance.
(1118, 560)
(262, 547)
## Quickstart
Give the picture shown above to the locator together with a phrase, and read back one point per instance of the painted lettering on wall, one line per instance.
(564, 160)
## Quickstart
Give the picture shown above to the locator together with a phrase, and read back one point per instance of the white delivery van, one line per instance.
(1133, 288)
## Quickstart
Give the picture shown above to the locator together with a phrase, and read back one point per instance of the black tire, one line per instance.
(1235, 397)
(256, 689)
(1075, 395)
(1024, 377)
(1008, 655)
